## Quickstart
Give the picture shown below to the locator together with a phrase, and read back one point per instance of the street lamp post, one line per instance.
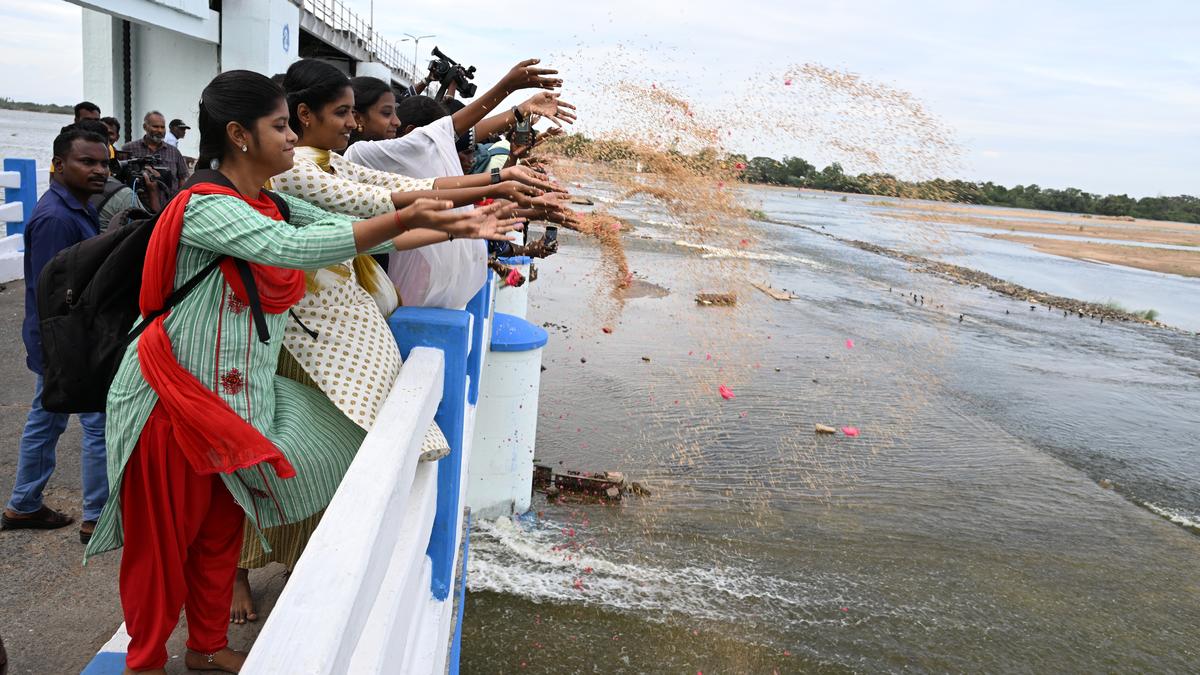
(416, 40)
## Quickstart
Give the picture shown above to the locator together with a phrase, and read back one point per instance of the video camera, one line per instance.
(129, 170)
(446, 70)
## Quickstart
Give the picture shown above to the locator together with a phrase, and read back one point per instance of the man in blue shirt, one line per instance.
(61, 218)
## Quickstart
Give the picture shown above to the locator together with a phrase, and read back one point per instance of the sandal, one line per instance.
(86, 529)
(44, 518)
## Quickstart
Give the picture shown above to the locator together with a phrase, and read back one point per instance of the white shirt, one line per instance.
(447, 274)
(426, 152)
(170, 140)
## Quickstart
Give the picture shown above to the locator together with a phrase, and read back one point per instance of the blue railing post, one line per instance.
(26, 192)
(478, 307)
(450, 331)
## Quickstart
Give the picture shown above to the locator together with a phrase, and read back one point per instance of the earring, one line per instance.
(360, 128)
(244, 148)
(306, 125)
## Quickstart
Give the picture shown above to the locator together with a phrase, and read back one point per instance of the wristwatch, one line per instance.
(495, 175)
(517, 114)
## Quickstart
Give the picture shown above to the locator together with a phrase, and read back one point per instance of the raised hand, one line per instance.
(431, 214)
(515, 191)
(492, 222)
(548, 105)
(525, 76)
(530, 176)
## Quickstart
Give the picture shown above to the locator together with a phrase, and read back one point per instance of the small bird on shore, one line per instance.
(960, 318)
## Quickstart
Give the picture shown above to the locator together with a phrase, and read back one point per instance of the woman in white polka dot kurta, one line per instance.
(339, 342)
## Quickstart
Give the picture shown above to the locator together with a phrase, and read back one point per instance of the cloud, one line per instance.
(1102, 96)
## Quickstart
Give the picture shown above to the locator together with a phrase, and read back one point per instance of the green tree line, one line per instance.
(9, 104)
(797, 172)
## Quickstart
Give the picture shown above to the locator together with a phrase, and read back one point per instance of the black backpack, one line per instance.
(87, 301)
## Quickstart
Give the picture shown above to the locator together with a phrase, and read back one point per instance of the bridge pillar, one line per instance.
(167, 71)
(258, 35)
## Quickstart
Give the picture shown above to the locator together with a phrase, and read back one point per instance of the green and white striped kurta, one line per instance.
(214, 338)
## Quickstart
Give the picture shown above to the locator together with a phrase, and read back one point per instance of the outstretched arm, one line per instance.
(544, 103)
(524, 75)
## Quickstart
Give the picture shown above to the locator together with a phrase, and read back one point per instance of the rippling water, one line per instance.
(968, 528)
(29, 135)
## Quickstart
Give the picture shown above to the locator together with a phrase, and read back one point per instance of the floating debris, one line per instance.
(584, 486)
(850, 431)
(774, 293)
(822, 429)
(720, 299)
(726, 392)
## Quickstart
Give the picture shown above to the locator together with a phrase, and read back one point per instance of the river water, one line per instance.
(30, 135)
(1004, 508)
(1022, 496)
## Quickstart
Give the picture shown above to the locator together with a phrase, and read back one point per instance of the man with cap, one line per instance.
(176, 130)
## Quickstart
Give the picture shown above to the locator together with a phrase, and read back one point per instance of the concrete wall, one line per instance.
(169, 73)
(103, 76)
(169, 70)
(373, 69)
(259, 35)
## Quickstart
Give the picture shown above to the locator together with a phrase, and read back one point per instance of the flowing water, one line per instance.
(1007, 506)
(1023, 495)
(30, 135)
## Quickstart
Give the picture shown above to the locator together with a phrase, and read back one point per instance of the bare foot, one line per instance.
(242, 608)
(226, 660)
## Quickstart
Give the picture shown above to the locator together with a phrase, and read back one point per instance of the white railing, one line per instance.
(361, 587)
(19, 180)
(379, 587)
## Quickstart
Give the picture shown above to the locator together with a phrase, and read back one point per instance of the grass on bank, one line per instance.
(1147, 314)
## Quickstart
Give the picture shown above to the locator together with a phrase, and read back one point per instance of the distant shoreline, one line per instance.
(29, 106)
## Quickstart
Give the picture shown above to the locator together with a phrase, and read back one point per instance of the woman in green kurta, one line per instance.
(181, 526)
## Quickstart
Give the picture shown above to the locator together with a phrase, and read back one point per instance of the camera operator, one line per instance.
(169, 160)
(452, 77)
(135, 185)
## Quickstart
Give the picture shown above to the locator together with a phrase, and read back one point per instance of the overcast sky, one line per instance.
(1104, 96)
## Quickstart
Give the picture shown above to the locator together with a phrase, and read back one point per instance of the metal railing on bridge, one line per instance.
(341, 18)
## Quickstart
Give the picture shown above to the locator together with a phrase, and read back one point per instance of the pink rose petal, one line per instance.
(849, 344)
(727, 393)
(850, 431)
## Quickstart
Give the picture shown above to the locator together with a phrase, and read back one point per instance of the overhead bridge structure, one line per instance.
(143, 55)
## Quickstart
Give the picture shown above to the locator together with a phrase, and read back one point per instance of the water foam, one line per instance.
(536, 561)
(719, 252)
(1190, 521)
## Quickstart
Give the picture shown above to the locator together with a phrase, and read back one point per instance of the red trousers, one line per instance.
(183, 535)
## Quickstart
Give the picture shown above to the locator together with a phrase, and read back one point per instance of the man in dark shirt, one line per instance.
(86, 110)
(61, 218)
(152, 145)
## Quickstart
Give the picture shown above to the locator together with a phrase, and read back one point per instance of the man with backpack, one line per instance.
(61, 219)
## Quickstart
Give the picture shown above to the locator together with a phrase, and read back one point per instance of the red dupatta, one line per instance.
(213, 437)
